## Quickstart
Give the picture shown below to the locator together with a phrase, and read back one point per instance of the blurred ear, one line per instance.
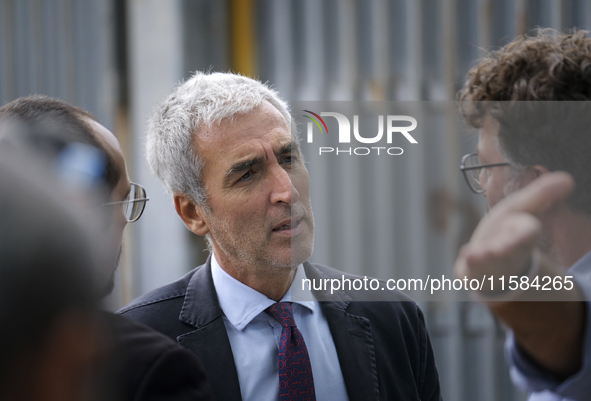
(539, 170)
(191, 214)
(532, 173)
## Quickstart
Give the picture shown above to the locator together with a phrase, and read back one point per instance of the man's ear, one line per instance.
(191, 214)
(539, 170)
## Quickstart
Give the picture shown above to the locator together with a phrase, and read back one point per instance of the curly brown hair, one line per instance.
(536, 88)
(548, 65)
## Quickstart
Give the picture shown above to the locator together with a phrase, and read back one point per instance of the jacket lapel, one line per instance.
(209, 341)
(353, 341)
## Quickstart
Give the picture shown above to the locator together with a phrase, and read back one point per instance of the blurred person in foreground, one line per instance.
(50, 340)
(86, 157)
(533, 167)
(222, 144)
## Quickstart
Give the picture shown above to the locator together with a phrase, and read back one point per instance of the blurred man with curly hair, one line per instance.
(530, 100)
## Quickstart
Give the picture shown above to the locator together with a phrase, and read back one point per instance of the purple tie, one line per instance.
(295, 372)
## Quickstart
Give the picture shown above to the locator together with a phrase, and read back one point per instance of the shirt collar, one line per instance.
(240, 303)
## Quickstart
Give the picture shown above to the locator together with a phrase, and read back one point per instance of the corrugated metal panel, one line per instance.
(62, 48)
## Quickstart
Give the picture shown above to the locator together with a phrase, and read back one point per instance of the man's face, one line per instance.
(494, 180)
(258, 192)
(118, 221)
(499, 182)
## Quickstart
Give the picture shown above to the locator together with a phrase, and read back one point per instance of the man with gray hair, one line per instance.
(530, 100)
(222, 144)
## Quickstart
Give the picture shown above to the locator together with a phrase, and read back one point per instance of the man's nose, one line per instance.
(282, 189)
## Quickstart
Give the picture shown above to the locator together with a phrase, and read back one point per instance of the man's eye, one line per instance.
(289, 159)
(246, 176)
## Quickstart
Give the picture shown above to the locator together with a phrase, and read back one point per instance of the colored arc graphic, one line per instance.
(317, 116)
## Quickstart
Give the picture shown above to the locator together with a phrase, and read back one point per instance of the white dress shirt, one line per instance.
(254, 338)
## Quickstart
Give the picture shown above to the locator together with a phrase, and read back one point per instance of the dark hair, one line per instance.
(67, 125)
(533, 87)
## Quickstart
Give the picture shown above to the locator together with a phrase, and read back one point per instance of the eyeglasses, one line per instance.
(473, 171)
(134, 204)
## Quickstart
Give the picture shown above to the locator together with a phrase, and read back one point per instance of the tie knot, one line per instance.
(281, 311)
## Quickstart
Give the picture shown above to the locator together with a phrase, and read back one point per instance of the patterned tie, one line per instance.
(295, 372)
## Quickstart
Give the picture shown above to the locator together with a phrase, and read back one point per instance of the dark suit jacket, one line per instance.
(383, 347)
(147, 366)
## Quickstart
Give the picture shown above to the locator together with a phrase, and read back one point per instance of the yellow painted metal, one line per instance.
(243, 37)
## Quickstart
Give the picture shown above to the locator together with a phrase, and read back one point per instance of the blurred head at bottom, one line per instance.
(49, 337)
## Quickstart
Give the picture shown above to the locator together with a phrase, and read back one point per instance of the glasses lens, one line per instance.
(134, 208)
(473, 174)
(125, 207)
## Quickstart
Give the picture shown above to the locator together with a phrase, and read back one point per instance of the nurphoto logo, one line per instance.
(394, 126)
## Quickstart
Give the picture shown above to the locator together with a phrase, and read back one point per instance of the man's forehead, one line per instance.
(263, 150)
(105, 137)
(245, 132)
(233, 144)
(235, 124)
(110, 145)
